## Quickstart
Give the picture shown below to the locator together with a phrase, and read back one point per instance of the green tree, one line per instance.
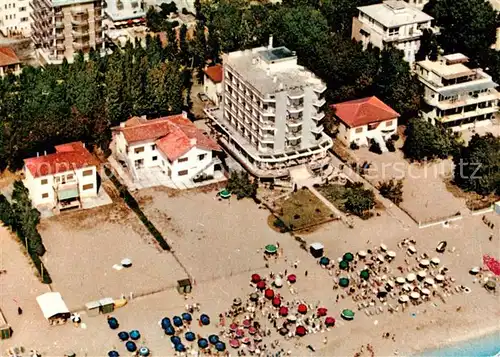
(477, 165)
(392, 190)
(429, 47)
(184, 54)
(358, 200)
(114, 80)
(340, 13)
(239, 184)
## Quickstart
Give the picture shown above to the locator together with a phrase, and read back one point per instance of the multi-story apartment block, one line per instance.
(457, 96)
(125, 11)
(392, 23)
(271, 112)
(419, 4)
(61, 28)
(14, 18)
(63, 179)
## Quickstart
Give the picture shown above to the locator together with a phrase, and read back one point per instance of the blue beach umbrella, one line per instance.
(205, 320)
(175, 340)
(144, 351)
(123, 336)
(113, 323)
(190, 336)
(130, 346)
(187, 317)
(180, 347)
(165, 322)
(220, 346)
(177, 321)
(202, 343)
(135, 335)
(213, 339)
(169, 330)
(113, 354)
(324, 261)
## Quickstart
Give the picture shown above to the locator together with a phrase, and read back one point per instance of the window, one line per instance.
(69, 177)
(359, 130)
(388, 123)
(22, 8)
(153, 147)
(393, 31)
(155, 158)
(139, 150)
(201, 157)
(45, 195)
(88, 186)
(44, 181)
(24, 19)
(87, 172)
(183, 159)
(182, 173)
(57, 179)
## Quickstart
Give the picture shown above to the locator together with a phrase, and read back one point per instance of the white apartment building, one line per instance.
(15, 18)
(271, 112)
(212, 83)
(123, 11)
(173, 144)
(419, 4)
(391, 23)
(457, 96)
(63, 179)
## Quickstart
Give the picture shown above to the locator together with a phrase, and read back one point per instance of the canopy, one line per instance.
(348, 257)
(123, 336)
(365, 274)
(190, 336)
(300, 331)
(276, 302)
(202, 343)
(261, 285)
(165, 322)
(220, 346)
(175, 340)
(283, 311)
(343, 265)
(317, 246)
(144, 351)
(347, 314)
(131, 346)
(292, 278)
(321, 311)
(224, 193)
(329, 321)
(169, 330)
(113, 354)
(53, 306)
(135, 335)
(344, 282)
(180, 347)
(271, 249)
(213, 339)
(302, 308)
(177, 321)
(255, 278)
(324, 261)
(205, 320)
(269, 293)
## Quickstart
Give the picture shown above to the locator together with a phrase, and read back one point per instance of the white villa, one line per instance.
(213, 83)
(363, 119)
(457, 96)
(391, 23)
(62, 179)
(173, 145)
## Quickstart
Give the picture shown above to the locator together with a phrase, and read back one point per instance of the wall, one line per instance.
(348, 135)
(15, 18)
(36, 189)
(193, 164)
(84, 180)
(212, 90)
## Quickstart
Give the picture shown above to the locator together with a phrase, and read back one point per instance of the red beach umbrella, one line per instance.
(233, 326)
(269, 293)
(292, 278)
(492, 264)
(234, 343)
(246, 323)
(246, 340)
(329, 321)
(240, 333)
(322, 311)
(302, 309)
(300, 331)
(276, 301)
(261, 285)
(252, 330)
(256, 278)
(283, 311)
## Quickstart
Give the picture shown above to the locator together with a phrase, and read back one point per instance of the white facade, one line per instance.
(392, 23)
(361, 134)
(15, 18)
(213, 90)
(419, 4)
(123, 10)
(457, 96)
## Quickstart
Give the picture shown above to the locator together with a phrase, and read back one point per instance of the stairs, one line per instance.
(214, 161)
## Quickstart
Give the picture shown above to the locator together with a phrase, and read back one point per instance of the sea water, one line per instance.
(487, 346)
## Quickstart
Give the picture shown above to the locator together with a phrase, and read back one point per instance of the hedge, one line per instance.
(134, 206)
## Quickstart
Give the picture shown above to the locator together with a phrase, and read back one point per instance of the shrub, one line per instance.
(278, 223)
(375, 147)
(358, 200)
(241, 185)
(354, 146)
(392, 190)
(390, 145)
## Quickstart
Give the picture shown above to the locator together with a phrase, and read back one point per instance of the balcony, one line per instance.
(320, 89)
(81, 45)
(59, 36)
(80, 21)
(80, 34)
(78, 12)
(293, 122)
(317, 130)
(59, 15)
(266, 138)
(319, 102)
(59, 25)
(293, 135)
(318, 116)
(60, 46)
(268, 113)
(296, 95)
(99, 40)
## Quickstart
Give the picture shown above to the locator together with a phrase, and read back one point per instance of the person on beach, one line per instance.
(19, 310)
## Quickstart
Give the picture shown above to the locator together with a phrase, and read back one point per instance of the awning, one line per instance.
(67, 193)
(52, 305)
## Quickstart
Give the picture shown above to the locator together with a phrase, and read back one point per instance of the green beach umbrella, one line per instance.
(324, 261)
(344, 282)
(225, 193)
(343, 265)
(365, 274)
(348, 257)
(271, 249)
(347, 314)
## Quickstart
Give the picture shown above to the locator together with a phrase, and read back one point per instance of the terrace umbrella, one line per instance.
(269, 293)
(180, 347)
(256, 278)
(257, 338)
(278, 282)
(252, 330)
(347, 314)
(187, 317)
(237, 302)
(324, 261)
(233, 327)
(123, 336)
(343, 265)
(205, 320)
(240, 333)
(113, 354)
(344, 282)
(202, 343)
(246, 341)
(224, 193)
(190, 336)
(348, 257)
(365, 274)
(283, 331)
(165, 322)
(276, 302)
(113, 323)
(302, 308)
(169, 330)
(234, 343)
(254, 297)
(292, 278)
(135, 335)
(283, 311)
(329, 321)
(321, 311)
(175, 340)
(213, 339)
(177, 321)
(300, 331)
(261, 285)
(220, 346)
(362, 254)
(271, 249)
(292, 318)
(246, 323)
(144, 351)
(131, 346)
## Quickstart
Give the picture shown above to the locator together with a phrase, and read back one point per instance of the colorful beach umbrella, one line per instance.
(169, 330)
(300, 331)
(347, 314)
(292, 278)
(365, 274)
(240, 333)
(302, 308)
(224, 193)
(190, 336)
(177, 321)
(113, 354)
(261, 285)
(213, 339)
(202, 343)
(348, 257)
(276, 301)
(329, 321)
(205, 320)
(187, 317)
(113, 323)
(165, 322)
(252, 330)
(256, 278)
(144, 352)
(123, 336)
(135, 335)
(344, 265)
(344, 282)
(246, 323)
(234, 343)
(175, 340)
(321, 311)
(283, 311)
(271, 249)
(220, 346)
(269, 293)
(180, 347)
(324, 261)
(233, 326)
(131, 346)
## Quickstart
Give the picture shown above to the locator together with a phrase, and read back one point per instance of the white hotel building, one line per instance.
(457, 96)
(391, 23)
(271, 112)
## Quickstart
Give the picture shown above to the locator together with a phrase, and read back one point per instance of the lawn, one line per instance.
(302, 209)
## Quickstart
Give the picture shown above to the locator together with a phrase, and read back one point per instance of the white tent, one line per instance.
(52, 305)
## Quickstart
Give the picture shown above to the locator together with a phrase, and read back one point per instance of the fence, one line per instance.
(436, 221)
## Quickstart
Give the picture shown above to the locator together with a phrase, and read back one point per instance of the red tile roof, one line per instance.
(8, 57)
(214, 73)
(174, 135)
(67, 157)
(364, 111)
